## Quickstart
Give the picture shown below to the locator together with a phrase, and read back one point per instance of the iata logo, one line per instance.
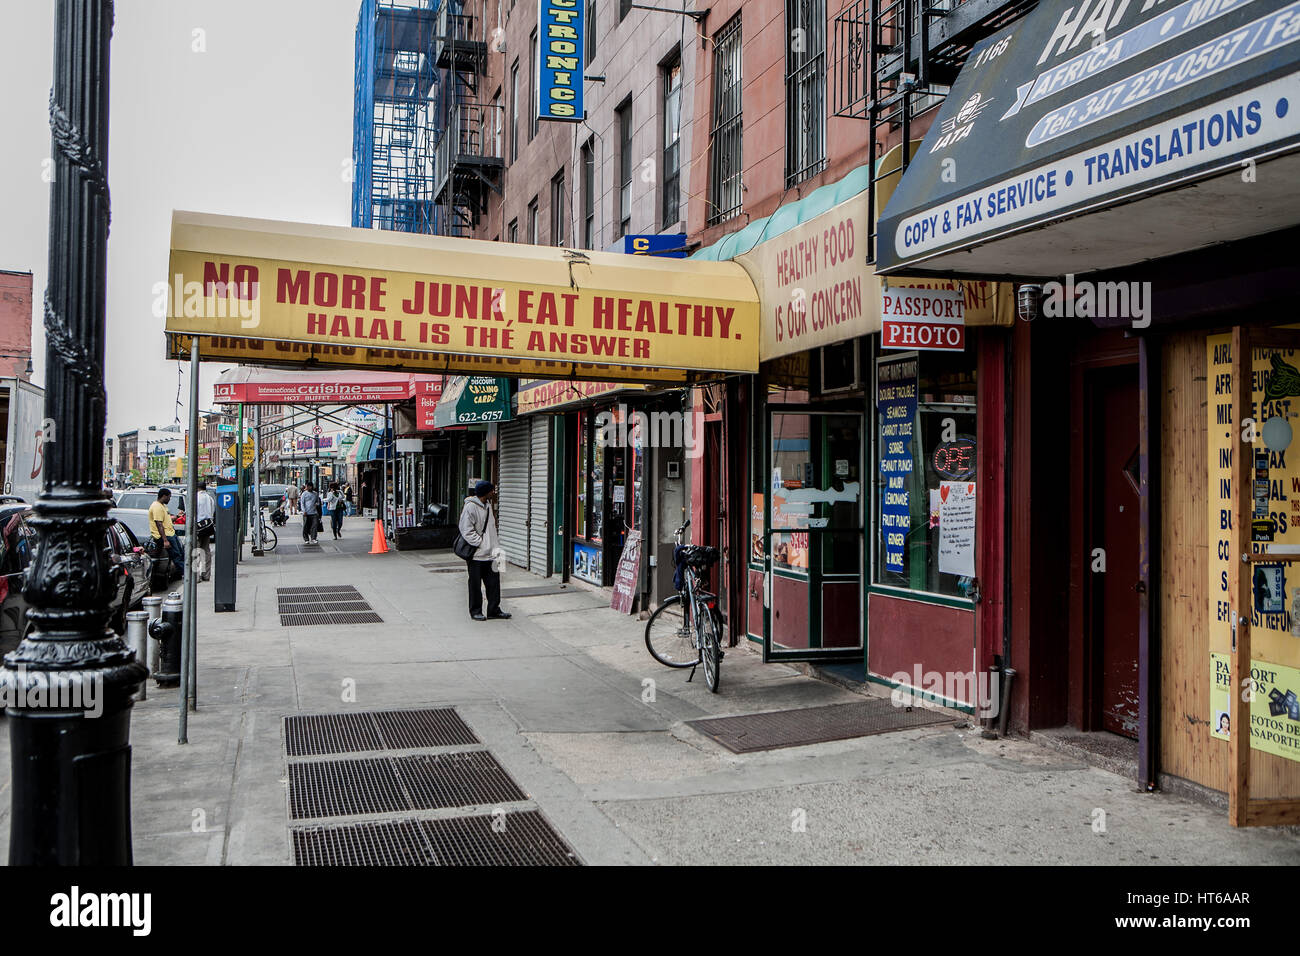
(958, 127)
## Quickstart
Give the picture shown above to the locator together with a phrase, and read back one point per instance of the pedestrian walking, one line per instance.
(291, 499)
(335, 503)
(204, 530)
(349, 500)
(478, 526)
(162, 532)
(310, 501)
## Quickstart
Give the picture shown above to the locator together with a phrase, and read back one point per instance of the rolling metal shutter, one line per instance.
(512, 507)
(539, 500)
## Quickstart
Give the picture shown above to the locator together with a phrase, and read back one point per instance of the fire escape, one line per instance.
(894, 59)
(469, 158)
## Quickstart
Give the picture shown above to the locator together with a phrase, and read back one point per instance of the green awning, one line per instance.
(473, 400)
(360, 448)
(788, 216)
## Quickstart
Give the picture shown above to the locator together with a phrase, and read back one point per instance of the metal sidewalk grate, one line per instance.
(343, 788)
(336, 788)
(332, 604)
(468, 779)
(356, 617)
(523, 838)
(813, 725)
(313, 734)
(408, 729)
(304, 620)
(518, 839)
(393, 843)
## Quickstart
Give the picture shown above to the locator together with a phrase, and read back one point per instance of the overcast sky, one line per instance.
(249, 116)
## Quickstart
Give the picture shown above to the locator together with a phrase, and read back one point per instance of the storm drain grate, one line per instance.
(813, 725)
(281, 592)
(471, 778)
(343, 788)
(312, 734)
(409, 729)
(523, 838)
(337, 788)
(347, 606)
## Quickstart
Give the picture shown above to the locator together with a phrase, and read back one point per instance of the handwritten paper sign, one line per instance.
(957, 527)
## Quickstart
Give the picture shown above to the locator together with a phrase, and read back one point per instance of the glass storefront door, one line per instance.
(813, 514)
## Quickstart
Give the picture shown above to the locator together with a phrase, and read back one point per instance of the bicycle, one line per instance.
(269, 539)
(685, 630)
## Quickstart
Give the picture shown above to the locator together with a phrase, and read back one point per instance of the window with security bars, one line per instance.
(672, 143)
(725, 198)
(805, 90)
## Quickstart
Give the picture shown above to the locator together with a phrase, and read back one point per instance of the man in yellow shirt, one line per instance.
(162, 530)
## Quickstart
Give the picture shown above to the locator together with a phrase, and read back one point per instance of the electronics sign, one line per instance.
(559, 60)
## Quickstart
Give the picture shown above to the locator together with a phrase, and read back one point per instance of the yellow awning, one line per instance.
(288, 294)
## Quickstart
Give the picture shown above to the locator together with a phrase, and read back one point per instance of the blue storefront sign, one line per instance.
(560, 60)
(896, 408)
(670, 246)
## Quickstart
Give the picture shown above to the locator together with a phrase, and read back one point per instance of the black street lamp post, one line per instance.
(68, 684)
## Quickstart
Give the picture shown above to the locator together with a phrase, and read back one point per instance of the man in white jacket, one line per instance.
(478, 526)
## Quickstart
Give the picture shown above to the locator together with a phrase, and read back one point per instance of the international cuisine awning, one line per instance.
(285, 294)
(1073, 139)
(260, 386)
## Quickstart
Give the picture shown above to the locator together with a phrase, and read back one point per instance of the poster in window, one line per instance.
(957, 528)
(896, 407)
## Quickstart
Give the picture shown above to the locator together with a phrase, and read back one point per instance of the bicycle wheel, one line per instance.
(710, 647)
(269, 540)
(668, 637)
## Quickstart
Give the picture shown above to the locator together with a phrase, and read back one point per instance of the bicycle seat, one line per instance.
(698, 555)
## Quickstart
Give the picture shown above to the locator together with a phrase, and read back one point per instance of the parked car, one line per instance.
(273, 495)
(17, 548)
(17, 543)
(163, 569)
(139, 499)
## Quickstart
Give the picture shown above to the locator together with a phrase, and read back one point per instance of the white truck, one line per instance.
(22, 416)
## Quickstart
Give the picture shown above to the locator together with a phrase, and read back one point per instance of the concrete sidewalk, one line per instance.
(558, 695)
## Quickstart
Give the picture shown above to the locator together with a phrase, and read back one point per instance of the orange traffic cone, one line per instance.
(380, 545)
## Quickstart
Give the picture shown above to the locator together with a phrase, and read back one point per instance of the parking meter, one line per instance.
(225, 548)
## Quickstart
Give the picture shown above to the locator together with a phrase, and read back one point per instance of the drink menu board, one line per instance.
(896, 408)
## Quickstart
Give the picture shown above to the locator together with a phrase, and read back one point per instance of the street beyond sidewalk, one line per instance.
(559, 695)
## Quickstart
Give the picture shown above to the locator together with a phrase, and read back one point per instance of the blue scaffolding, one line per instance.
(417, 66)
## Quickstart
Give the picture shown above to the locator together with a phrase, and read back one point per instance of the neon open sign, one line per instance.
(955, 460)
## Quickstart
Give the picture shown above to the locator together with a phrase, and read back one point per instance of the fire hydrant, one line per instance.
(167, 632)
